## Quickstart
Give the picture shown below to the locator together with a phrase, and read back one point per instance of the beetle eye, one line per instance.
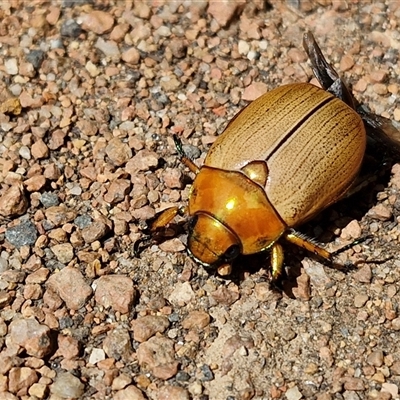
(232, 252)
(192, 223)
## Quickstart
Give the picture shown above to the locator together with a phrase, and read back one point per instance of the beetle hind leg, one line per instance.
(300, 240)
(324, 72)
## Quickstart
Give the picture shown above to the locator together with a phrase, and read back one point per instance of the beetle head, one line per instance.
(212, 243)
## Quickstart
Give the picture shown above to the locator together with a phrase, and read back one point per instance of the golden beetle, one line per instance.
(281, 160)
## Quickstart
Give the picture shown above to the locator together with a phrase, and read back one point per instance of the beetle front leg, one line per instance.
(158, 229)
(299, 240)
(166, 217)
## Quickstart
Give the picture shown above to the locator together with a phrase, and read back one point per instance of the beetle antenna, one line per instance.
(178, 145)
(184, 158)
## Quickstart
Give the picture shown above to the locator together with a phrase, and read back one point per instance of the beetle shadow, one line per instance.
(373, 178)
(260, 264)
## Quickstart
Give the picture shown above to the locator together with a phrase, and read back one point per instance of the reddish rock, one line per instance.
(97, 21)
(380, 212)
(131, 393)
(68, 347)
(32, 336)
(254, 91)
(70, 285)
(39, 150)
(60, 215)
(173, 178)
(35, 183)
(196, 320)
(142, 161)
(21, 379)
(115, 291)
(158, 354)
(13, 202)
(147, 326)
(131, 56)
(95, 231)
(224, 10)
(117, 191)
(118, 152)
(225, 296)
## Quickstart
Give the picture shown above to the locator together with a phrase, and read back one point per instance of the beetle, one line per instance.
(280, 161)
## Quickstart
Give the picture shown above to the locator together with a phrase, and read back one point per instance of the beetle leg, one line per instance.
(299, 240)
(324, 72)
(184, 158)
(276, 261)
(382, 130)
(166, 216)
(158, 230)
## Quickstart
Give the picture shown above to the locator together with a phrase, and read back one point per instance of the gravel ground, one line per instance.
(91, 93)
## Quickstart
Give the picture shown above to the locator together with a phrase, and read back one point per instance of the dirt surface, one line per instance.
(91, 94)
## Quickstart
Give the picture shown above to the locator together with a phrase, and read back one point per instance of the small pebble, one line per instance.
(380, 212)
(159, 355)
(21, 235)
(35, 57)
(11, 66)
(293, 393)
(96, 355)
(64, 252)
(70, 28)
(118, 344)
(21, 379)
(71, 286)
(13, 202)
(376, 358)
(115, 291)
(360, 300)
(146, 327)
(67, 385)
(131, 392)
(24, 152)
(97, 21)
(33, 337)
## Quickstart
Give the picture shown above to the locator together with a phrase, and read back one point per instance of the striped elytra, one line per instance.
(313, 144)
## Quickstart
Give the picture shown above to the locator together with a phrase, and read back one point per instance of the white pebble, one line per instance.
(11, 66)
(16, 89)
(76, 191)
(163, 31)
(251, 55)
(243, 47)
(293, 393)
(96, 355)
(92, 69)
(108, 47)
(24, 152)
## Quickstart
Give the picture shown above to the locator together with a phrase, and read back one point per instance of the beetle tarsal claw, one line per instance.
(142, 244)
